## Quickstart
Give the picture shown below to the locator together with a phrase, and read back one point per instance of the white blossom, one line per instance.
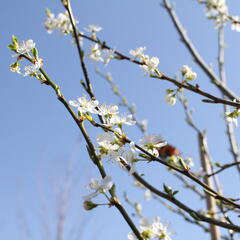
(188, 73)
(138, 52)
(25, 46)
(120, 120)
(85, 105)
(152, 144)
(108, 110)
(108, 55)
(236, 23)
(147, 195)
(50, 22)
(61, 22)
(107, 141)
(217, 10)
(96, 53)
(170, 99)
(154, 230)
(150, 64)
(29, 70)
(93, 28)
(231, 119)
(100, 186)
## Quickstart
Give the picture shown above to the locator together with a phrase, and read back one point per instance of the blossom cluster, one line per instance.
(150, 65)
(152, 230)
(99, 186)
(110, 113)
(61, 22)
(217, 10)
(187, 73)
(231, 117)
(27, 48)
(98, 54)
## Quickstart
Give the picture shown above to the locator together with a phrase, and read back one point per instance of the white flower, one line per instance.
(138, 52)
(144, 124)
(132, 236)
(152, 144)
(100, 186)
(107, 110)
(188, 73)
(170, 99)
(236, 23)
(61, 22)
(64, 23)
(84, 105)
(120, 120)
(29, 70)
(96, 53)
(107, 141)
(155, 140)
(93, 28)
(50, 22)
(150, 64)
(130, 156)
(155, 229)
(230, 119)
(25, 46)
(147, 195)
(108, 55)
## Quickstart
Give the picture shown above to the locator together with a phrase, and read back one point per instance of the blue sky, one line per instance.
(40, 141)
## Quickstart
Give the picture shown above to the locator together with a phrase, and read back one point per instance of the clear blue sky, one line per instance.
(39, 140)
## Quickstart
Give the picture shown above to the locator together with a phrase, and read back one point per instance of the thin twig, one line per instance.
(176, 202)
(123, 100)
(210, 201)
(195, 54)
(230, 128)
(224, 167)
(187, 173)
(196, 89)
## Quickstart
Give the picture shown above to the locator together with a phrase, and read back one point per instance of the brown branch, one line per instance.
(196, 89)
(176, 202)
(210, 201)
(230, 128)
(195, 54)
(187, 173)
(224, 167)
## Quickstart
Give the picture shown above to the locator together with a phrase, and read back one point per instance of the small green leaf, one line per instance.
(14, 40)
(35, 53)
(48, 12)
(175, 192)
(15, 67)
(12, 47)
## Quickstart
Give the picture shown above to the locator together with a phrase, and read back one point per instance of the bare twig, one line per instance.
(230, 128)
(195, 54)
(210, 201)
(123, 100)
(196, 89)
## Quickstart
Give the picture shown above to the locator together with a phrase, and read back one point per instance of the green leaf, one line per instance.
(12, 47)
(14, 40)
(48, 12)
(35, 53)
(175, 192)
(15, 67)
